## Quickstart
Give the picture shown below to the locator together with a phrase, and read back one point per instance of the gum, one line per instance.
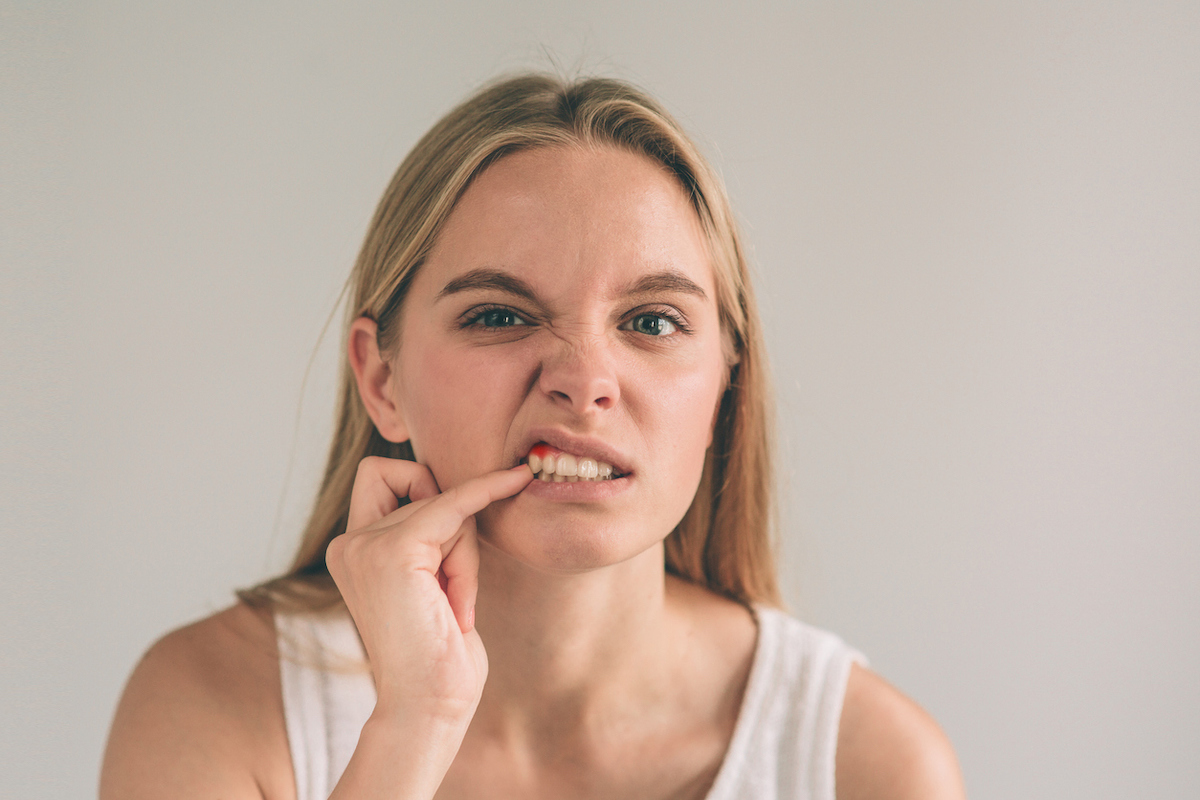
(545, 451)
(542, 450)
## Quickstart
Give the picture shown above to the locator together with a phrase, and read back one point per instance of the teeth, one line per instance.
(566, 467)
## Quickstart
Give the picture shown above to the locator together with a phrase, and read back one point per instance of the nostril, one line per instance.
(585, 381)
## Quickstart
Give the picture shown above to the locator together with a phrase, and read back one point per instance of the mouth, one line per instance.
(549, 464)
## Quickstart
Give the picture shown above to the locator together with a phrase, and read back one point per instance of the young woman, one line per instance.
(539, 564)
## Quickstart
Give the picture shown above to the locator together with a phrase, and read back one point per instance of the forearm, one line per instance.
(400, 757)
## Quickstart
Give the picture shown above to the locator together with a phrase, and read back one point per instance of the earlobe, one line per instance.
(374, 377)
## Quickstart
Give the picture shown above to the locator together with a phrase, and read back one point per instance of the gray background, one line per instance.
(977, 235)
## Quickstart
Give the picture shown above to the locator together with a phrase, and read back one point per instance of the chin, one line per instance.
(564, 548)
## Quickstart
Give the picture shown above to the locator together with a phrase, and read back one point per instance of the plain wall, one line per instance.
(976, 229)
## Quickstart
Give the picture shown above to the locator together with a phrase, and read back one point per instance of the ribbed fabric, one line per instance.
(328, 694)
(783, 747)
(785, 743)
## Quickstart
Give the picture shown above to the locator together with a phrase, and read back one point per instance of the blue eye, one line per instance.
(652, 325)
(497, 318)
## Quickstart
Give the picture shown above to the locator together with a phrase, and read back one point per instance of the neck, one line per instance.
(564, 650)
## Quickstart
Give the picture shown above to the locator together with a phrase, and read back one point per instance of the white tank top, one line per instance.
(783, 745)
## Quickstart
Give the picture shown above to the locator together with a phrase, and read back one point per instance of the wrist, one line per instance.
(435, 714)
(401, 755)
(436, 721)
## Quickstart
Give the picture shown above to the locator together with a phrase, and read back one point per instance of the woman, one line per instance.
(552, 284)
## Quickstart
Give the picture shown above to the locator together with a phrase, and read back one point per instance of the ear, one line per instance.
(376, 384)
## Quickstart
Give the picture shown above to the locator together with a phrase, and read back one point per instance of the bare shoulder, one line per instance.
(202, 715)
(889, 748)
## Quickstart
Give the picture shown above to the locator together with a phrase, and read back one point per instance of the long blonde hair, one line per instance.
(724, 541)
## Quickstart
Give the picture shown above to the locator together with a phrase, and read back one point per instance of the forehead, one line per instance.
(579, 218)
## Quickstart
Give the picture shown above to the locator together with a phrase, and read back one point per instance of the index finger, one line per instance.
(440, 519)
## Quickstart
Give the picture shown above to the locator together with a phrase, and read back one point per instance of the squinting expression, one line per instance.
(569, 299)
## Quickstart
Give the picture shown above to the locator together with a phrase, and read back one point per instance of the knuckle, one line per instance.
(425, 476)
(353, 547)
(334, 553)
(369, 464)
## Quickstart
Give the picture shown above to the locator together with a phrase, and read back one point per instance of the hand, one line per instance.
(409, 576)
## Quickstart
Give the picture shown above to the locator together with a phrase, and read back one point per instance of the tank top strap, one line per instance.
(328, 695)
(784, 744)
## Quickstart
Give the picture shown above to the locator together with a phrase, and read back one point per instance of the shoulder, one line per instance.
(889, 748)
(202, 715)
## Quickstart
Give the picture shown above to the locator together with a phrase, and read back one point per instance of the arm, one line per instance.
(889, 748)
(202, 715)
(409, 576)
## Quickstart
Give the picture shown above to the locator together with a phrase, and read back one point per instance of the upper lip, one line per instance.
(586, 446)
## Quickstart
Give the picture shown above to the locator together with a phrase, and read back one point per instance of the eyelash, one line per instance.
(669, 314)
(473, 318)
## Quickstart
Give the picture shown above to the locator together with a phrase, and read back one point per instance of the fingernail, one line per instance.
(471, 618)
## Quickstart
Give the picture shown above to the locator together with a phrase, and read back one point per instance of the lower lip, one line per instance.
(577, 491)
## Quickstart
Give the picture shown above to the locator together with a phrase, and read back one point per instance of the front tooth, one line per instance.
(535, 463)
(567, 465)
(604, 470)
(544, 477)
(588, 469)
(548, 464)
(558, 478)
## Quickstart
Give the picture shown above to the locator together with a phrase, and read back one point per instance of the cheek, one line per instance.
(679, 405)
(457, 399)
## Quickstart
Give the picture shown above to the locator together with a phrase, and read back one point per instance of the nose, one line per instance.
(580, 375)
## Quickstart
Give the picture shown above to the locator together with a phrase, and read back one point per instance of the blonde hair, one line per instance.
(724, 541)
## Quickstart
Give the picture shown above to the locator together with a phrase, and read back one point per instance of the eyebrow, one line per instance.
(494, 279)
(667, 281)
(498, 280)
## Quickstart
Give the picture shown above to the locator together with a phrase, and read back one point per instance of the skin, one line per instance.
(576, 365)
(601, 676)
